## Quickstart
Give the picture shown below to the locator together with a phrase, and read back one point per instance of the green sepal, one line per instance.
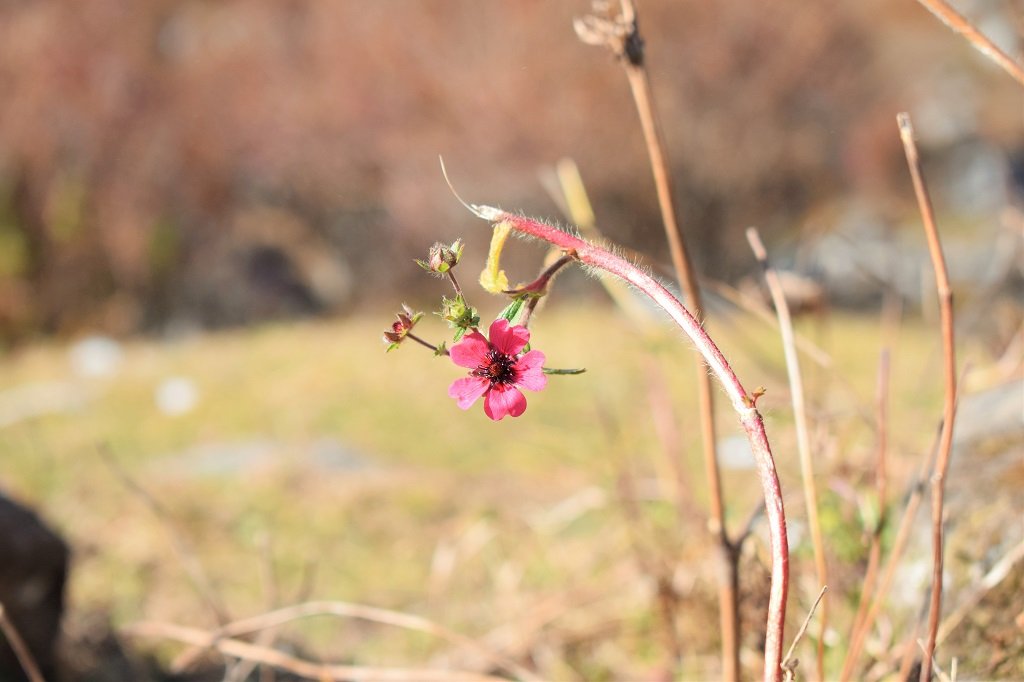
(513, 309)
(391, 347)
(456, 249)
(441, 349)
(440, 269)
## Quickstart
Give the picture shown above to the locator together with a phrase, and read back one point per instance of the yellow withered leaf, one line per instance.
(493, 278)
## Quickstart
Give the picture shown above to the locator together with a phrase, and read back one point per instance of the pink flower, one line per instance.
(497, 370)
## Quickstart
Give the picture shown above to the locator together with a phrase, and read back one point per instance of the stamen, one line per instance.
(499, 368)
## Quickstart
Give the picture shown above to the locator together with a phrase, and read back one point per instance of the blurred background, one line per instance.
(209, 211)
(211, 164)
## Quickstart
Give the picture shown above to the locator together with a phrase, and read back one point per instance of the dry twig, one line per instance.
(950, 17)
(858, 631)
(308, 669)
(274, 619)
(183, 552)
(939, 672)
(945, 294)
(789, 663)
(21, 651)
(796, 386)
(622, 36)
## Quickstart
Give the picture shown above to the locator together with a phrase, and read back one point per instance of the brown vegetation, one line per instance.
(222, 162)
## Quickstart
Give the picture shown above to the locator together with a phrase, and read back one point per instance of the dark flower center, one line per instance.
(498, 368)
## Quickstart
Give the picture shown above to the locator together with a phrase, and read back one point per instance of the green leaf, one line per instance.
(552, 370)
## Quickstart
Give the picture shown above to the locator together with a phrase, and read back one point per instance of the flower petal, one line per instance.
(471, 351)
(467, 390)
(503, 400)
(509, 340)
(530, 372)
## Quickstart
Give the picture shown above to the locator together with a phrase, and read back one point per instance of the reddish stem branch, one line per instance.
(425, 344)
(945, 294)
(603, 260)
(539, 287)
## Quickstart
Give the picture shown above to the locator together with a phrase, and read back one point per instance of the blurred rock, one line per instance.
(176, 396)
(245, 456)
(330, 454)
(734, 453)
(993, 414)
(228, 458)
(95, 356)
(41, 398)
(32, 576)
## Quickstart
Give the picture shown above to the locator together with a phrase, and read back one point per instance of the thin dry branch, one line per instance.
(655, 567)
(857, 631)
(789, 663)
(622, 36)
(803, 439)
(899, 545)
(277, 618)
(945, 294)
(939, 672)
(241, 670)
(21, 651)
(183, 552)
(913, 500)
(954, 20)
(761, 312)
(301, 667)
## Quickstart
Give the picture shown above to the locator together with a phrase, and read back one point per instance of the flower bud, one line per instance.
(400, 328)
(460, 315)
(442, 258)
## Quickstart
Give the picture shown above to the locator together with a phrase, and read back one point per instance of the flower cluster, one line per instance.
(501, 363)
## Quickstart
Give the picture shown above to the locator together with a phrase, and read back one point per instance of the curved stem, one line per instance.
(606, 261)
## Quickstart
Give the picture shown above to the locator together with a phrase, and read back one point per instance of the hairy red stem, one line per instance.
(606, 261)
